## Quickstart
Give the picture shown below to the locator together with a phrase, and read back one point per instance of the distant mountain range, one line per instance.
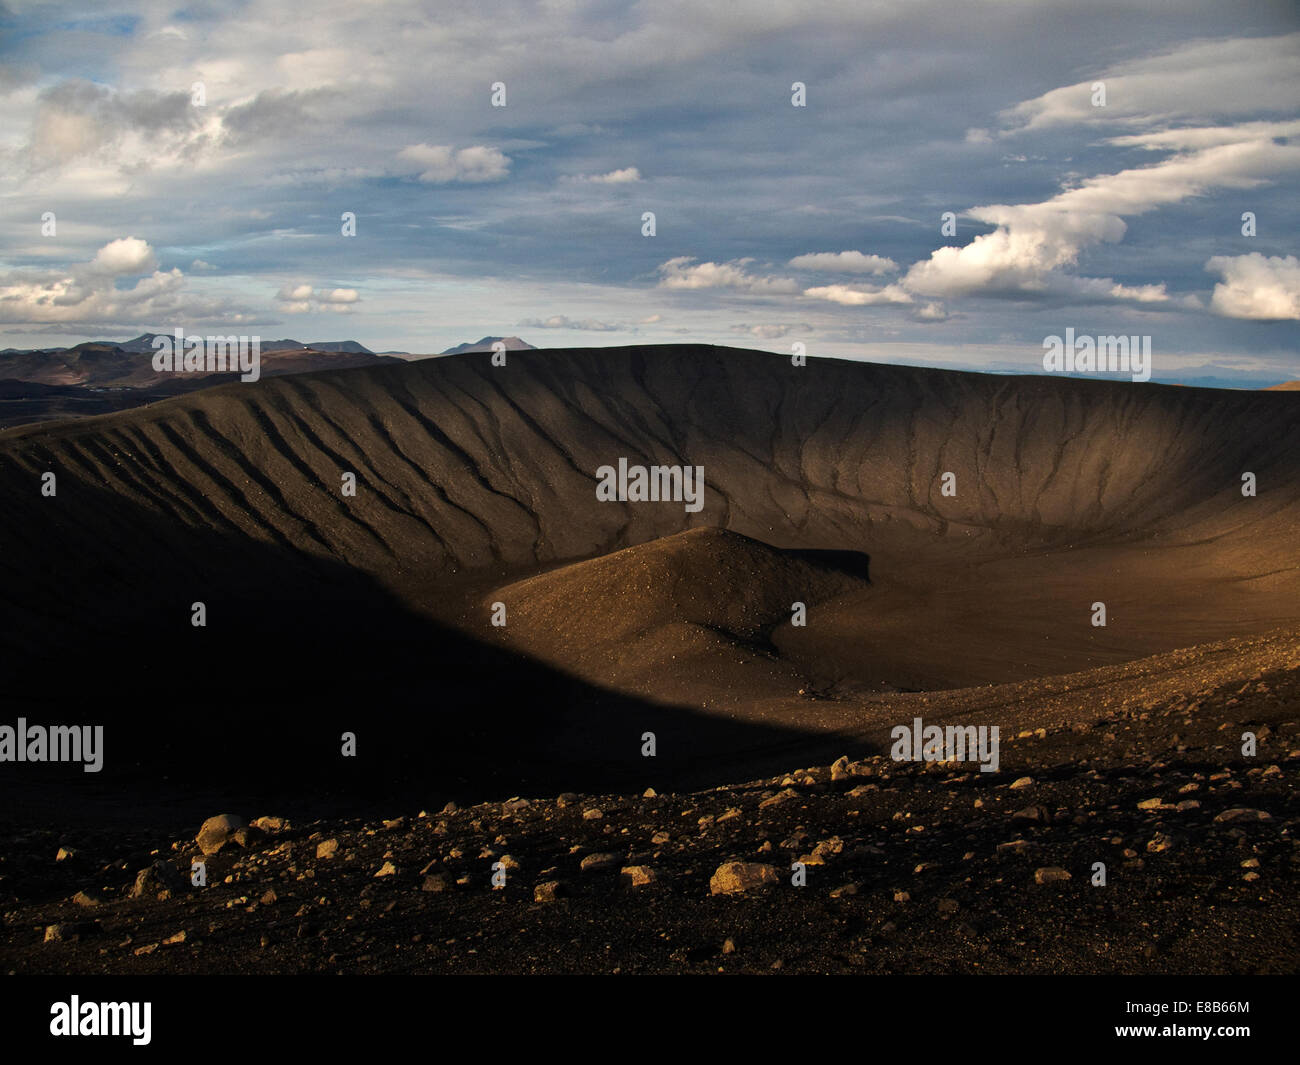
(129, 363)
(100, 376)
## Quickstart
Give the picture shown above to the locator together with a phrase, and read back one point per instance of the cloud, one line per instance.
(1235, 76)
(560, 321)
(441, 164)
(125, 256)
(679, 273)
(846, 262)
(304, 298)
(1022, 257)
(616, 177)
(773, 330)
(76, 119)
(87, 297)
(858, 297)
(931, 312)
(1255, 286)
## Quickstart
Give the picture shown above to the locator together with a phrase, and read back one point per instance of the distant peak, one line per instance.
(485, 344)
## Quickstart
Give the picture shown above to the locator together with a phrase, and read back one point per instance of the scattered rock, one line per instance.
(733, 877)
(638, 875)
(1037, 814)
(160, 880)
(71, 931)
(217, 831)
(1242, 813)
(1050, 874)
(548, 891)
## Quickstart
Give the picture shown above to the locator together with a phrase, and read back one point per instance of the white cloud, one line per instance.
(772, 330)
(679, 273)
(441, 164)
(125, 256)
(303, 298)
(87, 295)
(625, 176)
(560, 321)
(1033, 242)
(858, 297)
(1242, 75)
(1255, 286)
(846, 262)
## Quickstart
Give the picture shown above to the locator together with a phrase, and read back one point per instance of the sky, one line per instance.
(190, 165)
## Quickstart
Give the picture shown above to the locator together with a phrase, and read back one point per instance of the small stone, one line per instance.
(844, 890)
(594, 863)
(387, 869)
(64, 854)
(728, 946)
(780, 797)
(82, 899)
(1032, 813)
(217, 831)
(1021, 783)
(548, 891)
(592, 814)
(269, 897)
(327, 848)
(1160, 842)
(902, 896)
(638, 875)
(733, 877)
(1241, 813)
(160, 879)
(70, 931)
(171, 941)
(1050, 874)
(435, 883)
